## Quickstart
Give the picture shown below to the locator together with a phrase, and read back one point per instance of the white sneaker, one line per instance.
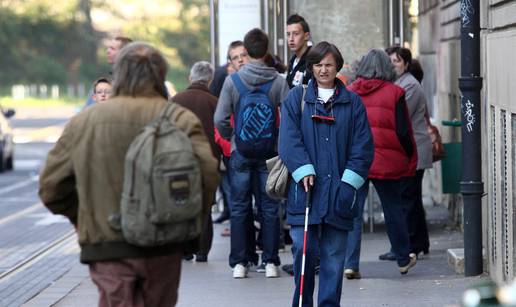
(271, 270)
(240, 271)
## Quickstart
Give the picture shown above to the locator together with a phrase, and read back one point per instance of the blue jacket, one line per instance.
(339, 155)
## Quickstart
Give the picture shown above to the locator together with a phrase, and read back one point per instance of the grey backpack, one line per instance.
(162, 194)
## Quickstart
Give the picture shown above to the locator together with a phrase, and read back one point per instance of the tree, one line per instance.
(60, 41)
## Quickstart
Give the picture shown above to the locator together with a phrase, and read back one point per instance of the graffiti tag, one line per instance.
(469, 116)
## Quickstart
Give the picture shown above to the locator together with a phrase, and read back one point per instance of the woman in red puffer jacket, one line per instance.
(395, 157)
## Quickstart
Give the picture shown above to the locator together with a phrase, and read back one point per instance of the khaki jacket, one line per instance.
(83, 175)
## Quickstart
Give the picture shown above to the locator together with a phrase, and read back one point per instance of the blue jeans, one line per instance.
(242, 170)
(330, 243)
(355, 235)
(395, 205)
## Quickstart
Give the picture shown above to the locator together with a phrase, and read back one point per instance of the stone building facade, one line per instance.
(439, 44)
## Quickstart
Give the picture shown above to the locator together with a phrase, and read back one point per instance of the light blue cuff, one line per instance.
(352, 178)
(303, 171)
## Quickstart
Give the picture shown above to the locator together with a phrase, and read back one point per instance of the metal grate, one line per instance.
(494, 245)
(513, 167)
(505, 222)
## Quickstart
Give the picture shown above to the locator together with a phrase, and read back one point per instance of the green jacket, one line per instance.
(83, 175)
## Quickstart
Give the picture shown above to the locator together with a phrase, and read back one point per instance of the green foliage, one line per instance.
(179, 77)
(58, 41)
(40, 49)
(192, 39)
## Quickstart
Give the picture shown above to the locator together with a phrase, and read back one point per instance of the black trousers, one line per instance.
(206, 236)
(416, 218)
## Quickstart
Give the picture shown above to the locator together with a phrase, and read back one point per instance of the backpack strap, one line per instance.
(266, 87)
(167, 110)
(239, 84)
(163, 115)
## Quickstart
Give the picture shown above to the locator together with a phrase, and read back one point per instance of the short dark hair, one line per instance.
(376, 64)
(257, 43)
(319, 51)
(416, 70)
(295, 18)
(139, 70)
(275, 62)
(233, 45)
(123, 41)
(402, 53)
(100, 80)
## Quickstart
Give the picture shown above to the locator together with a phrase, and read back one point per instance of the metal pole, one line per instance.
(391, 24)
(400, 21)
(471, 186)
(285, 43)
(265, 16)
(213, 36)
(275, 26)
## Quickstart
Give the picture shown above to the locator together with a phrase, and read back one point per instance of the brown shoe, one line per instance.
(352, 274)
(413, 260)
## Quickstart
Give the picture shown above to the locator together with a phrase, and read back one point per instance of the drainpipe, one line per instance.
(471, 186)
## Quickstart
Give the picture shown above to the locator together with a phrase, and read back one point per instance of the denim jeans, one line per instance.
(355, 235)
(395, 204)
(330, 243)
(242, 170)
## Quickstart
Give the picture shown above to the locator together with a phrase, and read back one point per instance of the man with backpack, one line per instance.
(135, 176)
(253, 95)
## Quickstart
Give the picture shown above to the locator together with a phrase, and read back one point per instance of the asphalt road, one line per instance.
(36, 247)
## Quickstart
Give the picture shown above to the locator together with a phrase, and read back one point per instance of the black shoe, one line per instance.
(289, 269)
(188, 257)
(352, 274)
(387, 256)
(224, 216)
(201, 258)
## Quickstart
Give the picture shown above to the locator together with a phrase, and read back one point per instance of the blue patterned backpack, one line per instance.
(256, 132)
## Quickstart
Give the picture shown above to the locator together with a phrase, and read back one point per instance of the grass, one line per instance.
(8, 102)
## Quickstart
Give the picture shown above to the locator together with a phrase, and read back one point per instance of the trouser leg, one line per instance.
(395, 210)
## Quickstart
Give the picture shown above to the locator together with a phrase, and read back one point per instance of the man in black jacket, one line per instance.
(298, 35)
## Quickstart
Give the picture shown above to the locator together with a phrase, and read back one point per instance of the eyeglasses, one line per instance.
(239, 57)
(105, 92)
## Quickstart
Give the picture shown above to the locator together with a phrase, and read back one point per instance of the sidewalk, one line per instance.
(430, 283)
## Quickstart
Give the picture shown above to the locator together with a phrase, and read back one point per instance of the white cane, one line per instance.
(305, 235)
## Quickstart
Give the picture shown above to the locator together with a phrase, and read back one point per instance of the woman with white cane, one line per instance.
(328, 148)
